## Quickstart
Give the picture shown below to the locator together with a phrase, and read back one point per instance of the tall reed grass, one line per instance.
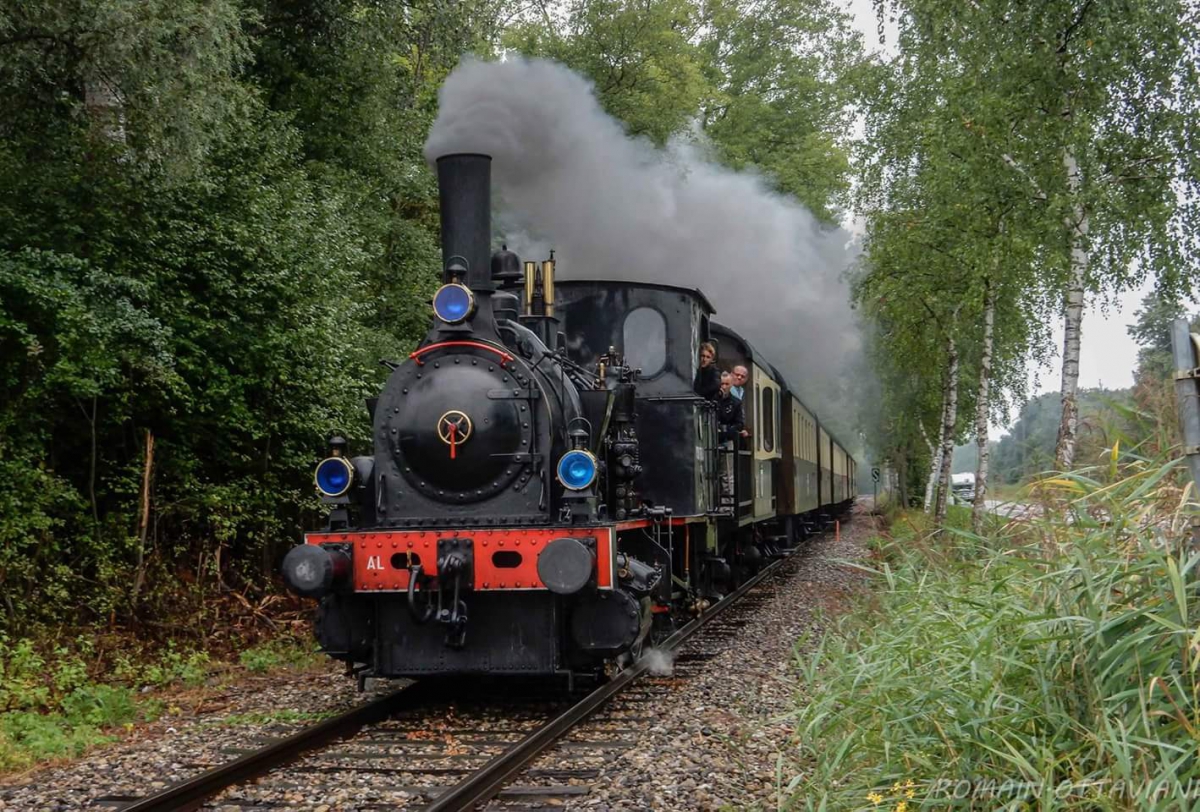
(1050, 664)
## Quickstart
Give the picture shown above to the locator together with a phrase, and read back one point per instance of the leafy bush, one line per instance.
(51, 710)
(278, 654)
(1051, 665)
(100, 706)
(22, 676)
(52, 706)
(209, 278)
(27, 738)
(174, 666)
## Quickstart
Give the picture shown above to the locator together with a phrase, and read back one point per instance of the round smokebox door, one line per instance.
(453, 437)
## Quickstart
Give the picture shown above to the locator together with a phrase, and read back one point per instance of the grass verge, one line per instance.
(1049, 664)
(56, 702)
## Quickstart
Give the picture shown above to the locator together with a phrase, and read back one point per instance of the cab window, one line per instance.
(645, 337)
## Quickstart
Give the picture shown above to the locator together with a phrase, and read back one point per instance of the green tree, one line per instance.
(157, 77)
(1152, 332)
(640, 54)
(768, 85)
(942, 273)
(783, 76)
(214, 220)
(1027, 450)
(360, 82)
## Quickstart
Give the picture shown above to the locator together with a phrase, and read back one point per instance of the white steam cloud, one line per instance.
(613, 207)
(659, 663)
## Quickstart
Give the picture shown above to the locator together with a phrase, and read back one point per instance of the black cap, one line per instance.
(506, 268)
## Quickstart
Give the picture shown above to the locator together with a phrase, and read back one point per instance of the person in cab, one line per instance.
(708, 378)
(740, 376)
(731, 417)
(731, 423)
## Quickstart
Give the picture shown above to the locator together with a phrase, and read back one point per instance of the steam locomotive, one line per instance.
(545, 493)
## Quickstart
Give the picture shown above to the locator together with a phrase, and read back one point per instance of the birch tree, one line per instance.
(982, 399)
(1092, 108)
(913, 286)
(949, 424)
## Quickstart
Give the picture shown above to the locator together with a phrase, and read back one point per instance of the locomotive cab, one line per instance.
(658, 328)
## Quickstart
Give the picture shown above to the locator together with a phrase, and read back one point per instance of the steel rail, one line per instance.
(486, 782)
(195, 791)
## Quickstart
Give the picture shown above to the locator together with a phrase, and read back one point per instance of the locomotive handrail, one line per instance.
(479, 345)
(414, 575)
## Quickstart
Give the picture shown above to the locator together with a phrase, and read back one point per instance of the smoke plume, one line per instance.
(568, 176)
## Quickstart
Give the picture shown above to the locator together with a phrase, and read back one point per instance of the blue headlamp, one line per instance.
(334, 476)
(577, 469)
(454, 303)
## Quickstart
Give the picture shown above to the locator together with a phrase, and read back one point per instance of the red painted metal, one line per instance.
(479, 345)
(382, 558)
(674, 521)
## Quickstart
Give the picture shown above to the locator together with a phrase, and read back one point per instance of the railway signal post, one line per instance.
(1187, 394)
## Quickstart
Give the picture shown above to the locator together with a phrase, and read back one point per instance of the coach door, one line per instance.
(825, 452)
(804, 470)
(767, 452)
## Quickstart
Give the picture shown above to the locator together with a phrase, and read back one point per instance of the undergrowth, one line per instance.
(58, 701)
(1047, 664)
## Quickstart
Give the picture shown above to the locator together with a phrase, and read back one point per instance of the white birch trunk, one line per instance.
(1077, 225)
(935, 457)
(982, 410)
(949, 420)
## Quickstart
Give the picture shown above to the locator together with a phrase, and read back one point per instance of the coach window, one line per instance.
(768, 427)
(645, 337)
(758, 435)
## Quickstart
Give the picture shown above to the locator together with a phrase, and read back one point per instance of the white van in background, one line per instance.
(962, 488)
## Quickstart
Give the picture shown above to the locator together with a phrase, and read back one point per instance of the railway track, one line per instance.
(416, 749)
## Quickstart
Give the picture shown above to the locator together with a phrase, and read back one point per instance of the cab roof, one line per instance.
(694, 292)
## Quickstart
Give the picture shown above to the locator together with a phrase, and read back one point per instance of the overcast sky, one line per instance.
(1107, 354)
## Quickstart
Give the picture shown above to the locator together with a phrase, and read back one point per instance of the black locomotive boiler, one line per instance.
(544, 496)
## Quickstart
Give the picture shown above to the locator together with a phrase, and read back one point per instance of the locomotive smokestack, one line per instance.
(465, 191)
